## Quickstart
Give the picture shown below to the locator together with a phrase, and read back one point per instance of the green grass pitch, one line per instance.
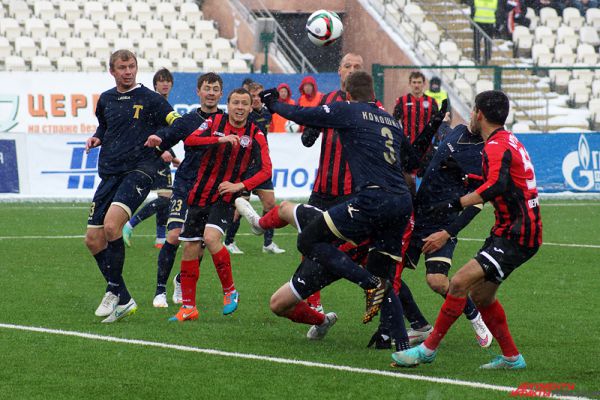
(49, 280)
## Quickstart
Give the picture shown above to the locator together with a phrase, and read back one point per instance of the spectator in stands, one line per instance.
(483, 13)
(584, 5)
(436, 92)
(309, 94)
(285, 96)
(558, 5)
(246, 83)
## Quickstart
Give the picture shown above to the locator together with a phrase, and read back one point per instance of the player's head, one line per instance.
(349, 64)
(246, 83)
(123, 67)
(490, 111)
(255, 88)
(435, 84)
(359, 87)
(284, 91)
(239, 106)
(416, 81)
(163, 82)
(209, 90)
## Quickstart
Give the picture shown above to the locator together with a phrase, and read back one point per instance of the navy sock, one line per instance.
(392, 315)
(470, 310)
(146, 212)
(115, 258)
(166, 259)
(162, 216)
(268, 235)
(411, 309)
(231, 231)
(101, 261)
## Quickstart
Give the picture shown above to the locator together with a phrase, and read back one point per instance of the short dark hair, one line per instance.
(494, 106)
(123, 55)
(415, 75)
(240, 90)
(360, 86)
(255, 86)
(162, 74)
(210, 77)
(247, 81)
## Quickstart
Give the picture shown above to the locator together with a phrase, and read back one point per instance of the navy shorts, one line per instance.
(163, 180)
(178, 204)
(434, 262)
(499, 257)
(325, 202)
(266, 185)
(304, 214)
(372, 214)
(128, 191)
(218, 216)
(309, 278)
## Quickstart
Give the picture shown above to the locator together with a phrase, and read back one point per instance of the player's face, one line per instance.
(256, 103)
(164, 87)
(239, 108)
(416, 86)
(474, 123)
(209, 94)
(124, 72)
(349, 65)
(283, 93)
(308, 89)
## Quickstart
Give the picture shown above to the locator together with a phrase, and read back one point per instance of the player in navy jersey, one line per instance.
(163, 181)
(127, 115)
(232, 144)
(261, 117)
(509, 184)
(379, 209)
(209, 89)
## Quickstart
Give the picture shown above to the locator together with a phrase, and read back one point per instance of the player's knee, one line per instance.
(93, 241)
(277, 306)
(458, 287)
(438, 283)
(173, 236)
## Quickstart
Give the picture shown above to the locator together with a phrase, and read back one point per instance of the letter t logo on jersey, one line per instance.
(137, 108)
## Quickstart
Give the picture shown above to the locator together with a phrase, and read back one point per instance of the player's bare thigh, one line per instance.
(283, 300)
(115, 219)
(267, 198)
(465, 278)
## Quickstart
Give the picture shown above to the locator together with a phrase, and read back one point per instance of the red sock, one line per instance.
(495, 319)
(398, 276)
(222, 263)
(314, 299)
(303, 314)
(190, 271)
(450, 311)
(271, 220)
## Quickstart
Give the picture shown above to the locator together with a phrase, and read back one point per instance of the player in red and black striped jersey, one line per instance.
(509, 184)
(232, 144)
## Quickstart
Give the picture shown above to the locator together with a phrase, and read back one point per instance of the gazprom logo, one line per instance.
(9, 107)
(83, 167)
(581, 168)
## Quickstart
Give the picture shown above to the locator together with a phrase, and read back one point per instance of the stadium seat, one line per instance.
(206, 30)
(35, 28)
(76, 48)
(92, 64)
(549, 17)
(69, 10)
(166, 12)
(187, 64)
(109, 30)
(586, 54)
(589, 35)
(190, 12)
(564, 54)
(196, 48)
(431, 32)
(414, 13)
(531, 15)
(585, 75)
(51, 48)
(428, 50)
(238, 66)
(596, 88)
(400, 3)
(544, 35)
(157, 29)
(141, 11)
(25, 47)
(44, 9)
(594, 106)
(171, 48)
(471, 75)
(212, 65)
(221, 49)
(592, 17)
(9, 28)
(144, 65)
(576, 85)
(132, 30)
(392, 15)
(41, 64)
(573, 18)
(19, 10)
(181, 30)
(59, 28)
(149, 48)
(580, 98)
(100, 48)
(566, 35)
(448, 74)
(94, 11)
(464, 90)
(521, 127)
(560, 79)
(523, 40)
(483, 85)
(5, 48)
(14, 63)
(124, 43)
(159, 63)
(67, 64)
(84, 29)
(541, 54)
(450, 49)
(117, 11)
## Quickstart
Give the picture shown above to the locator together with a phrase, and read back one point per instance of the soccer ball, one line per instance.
(292, 127)
(324, 27)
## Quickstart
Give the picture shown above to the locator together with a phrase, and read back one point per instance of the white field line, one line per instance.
(278, 360)
(45, 237)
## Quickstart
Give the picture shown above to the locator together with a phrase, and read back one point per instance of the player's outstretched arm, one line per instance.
(310, 136)
(437, 240)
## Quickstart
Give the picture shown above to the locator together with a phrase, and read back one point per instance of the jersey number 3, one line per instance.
(390, 154)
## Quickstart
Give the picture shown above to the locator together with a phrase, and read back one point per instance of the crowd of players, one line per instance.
(364, 221)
